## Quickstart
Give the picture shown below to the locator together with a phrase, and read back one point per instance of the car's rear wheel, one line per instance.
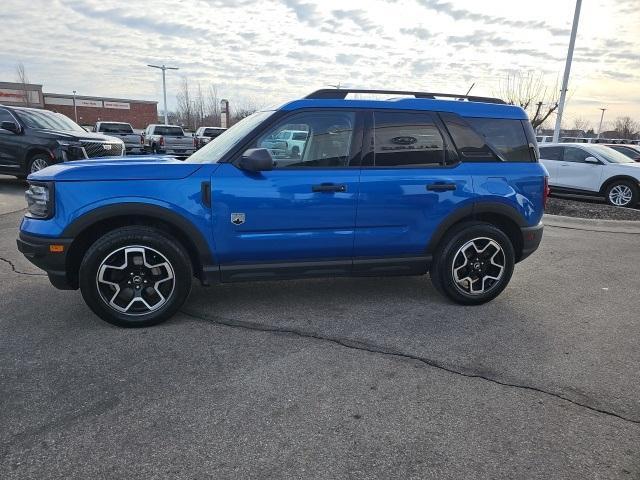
(473, 264)
(135, 276)
(37, 163)
(622, 193)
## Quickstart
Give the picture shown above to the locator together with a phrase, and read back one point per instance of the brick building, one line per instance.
(89, 110)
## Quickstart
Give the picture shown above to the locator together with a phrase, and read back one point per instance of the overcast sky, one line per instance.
(265, 52)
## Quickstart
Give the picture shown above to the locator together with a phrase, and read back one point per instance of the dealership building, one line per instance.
(83, 109)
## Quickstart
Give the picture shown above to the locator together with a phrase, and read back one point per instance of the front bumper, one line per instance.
(37, 251)
(531, 238)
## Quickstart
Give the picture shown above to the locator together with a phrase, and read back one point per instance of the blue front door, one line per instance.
(301, 211)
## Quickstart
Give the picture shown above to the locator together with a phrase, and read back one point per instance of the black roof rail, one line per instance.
(341, 93)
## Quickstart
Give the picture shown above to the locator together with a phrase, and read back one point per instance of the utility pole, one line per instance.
(567, 70)
(75, 109)
(601, 117)
(164, 68)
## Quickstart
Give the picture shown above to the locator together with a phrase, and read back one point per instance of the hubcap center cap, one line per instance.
(137, 280)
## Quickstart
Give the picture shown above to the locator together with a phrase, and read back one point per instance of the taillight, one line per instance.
(546, 192)
(161, 141)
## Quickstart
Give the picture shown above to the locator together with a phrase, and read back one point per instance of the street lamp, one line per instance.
(567, 70)
(75, 109)
(164, 68)
(601, 117)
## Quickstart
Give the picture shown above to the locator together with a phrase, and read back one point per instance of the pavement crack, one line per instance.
(377, 349)
(15, 270)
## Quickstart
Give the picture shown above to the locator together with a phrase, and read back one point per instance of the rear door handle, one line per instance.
(441, 187)
(328, 188)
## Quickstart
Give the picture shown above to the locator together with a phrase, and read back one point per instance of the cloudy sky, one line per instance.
(267, 51)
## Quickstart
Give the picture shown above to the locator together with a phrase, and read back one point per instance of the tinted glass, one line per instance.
(327, 143)
(506, 136)
(610, 155)
(469, 143)
(551, 153)
(115, 128)
(212, 132)
(168, 131)
(629, 152)
(44, 120)
(574, 155)
(406, 139)
(5, 116)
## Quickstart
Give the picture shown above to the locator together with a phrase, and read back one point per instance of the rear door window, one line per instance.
(574, 155)
(551, 153)
(404, 139)
(506, 136)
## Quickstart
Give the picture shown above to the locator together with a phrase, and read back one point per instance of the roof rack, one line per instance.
(341, 93)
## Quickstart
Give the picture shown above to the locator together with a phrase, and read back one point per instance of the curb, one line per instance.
(592, 225)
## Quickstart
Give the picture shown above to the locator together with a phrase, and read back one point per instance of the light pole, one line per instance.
(164, 68)
(601, 117)
(75, 109)
(567, 70)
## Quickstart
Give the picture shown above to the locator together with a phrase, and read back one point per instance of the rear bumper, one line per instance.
(531, 238)
(36, 250)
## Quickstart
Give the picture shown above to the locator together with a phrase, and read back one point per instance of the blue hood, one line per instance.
(143, 167)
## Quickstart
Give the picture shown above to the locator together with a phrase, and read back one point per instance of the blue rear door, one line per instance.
(410, 182)
(301, 211)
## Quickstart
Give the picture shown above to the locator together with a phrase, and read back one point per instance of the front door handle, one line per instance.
(329, 188)
(441, 187)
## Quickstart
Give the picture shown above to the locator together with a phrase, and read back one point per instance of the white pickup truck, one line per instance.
(124, 131)
(169, 139)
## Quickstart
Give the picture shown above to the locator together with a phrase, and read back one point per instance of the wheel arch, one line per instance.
(616, 178)
(86, 229)
(502, 216)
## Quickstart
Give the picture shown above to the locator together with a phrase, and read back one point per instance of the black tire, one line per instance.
(160, 249)
(38, 159)
(620, 186)
(295, 151)
(448, 256)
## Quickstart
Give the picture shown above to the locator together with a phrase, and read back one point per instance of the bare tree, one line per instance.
(23, 80)
(581, 123)
(530, 92)
(185, 106)
(243, 109)
(212, 107)
(626, 127)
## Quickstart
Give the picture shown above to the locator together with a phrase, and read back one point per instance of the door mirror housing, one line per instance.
(12, 127)
(256, 160)
(592, 160)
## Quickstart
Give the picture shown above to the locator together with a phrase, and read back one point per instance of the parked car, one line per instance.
(293, 141)
(381, 187)
(204, 135)
(133, 142)
(592, 169)
(32, 139)
(169, 139)
(630, 150)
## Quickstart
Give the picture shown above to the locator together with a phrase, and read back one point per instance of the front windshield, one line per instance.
(610, 155)
(44, 120)
(216, 148)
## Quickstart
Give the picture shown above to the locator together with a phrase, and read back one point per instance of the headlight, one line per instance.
(39, 198)
(71, 150)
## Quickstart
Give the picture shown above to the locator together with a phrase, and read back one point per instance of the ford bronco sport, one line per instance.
(445, 184)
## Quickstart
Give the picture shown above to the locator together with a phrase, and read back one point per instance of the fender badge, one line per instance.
(237, 218)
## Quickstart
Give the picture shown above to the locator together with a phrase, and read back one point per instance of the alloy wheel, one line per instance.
(620, 195)
(478, 266)
(135, 280)
(38, 164)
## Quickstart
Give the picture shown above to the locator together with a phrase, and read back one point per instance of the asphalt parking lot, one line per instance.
(331, 378)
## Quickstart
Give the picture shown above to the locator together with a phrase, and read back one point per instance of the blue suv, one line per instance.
(422, 182)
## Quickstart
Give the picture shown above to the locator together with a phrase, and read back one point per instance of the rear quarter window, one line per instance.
(506, 136)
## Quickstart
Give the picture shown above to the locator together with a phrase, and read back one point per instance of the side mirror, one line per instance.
(592, 160)
(256, 160)
(11, 126)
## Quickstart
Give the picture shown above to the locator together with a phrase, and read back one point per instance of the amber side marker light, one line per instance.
(56, 248)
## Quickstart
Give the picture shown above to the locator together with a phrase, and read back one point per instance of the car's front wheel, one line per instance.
(135, 276)
(622, 193)
(473, 264)
(37, 163)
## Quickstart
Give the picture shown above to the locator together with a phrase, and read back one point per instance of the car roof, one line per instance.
(463, 108)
